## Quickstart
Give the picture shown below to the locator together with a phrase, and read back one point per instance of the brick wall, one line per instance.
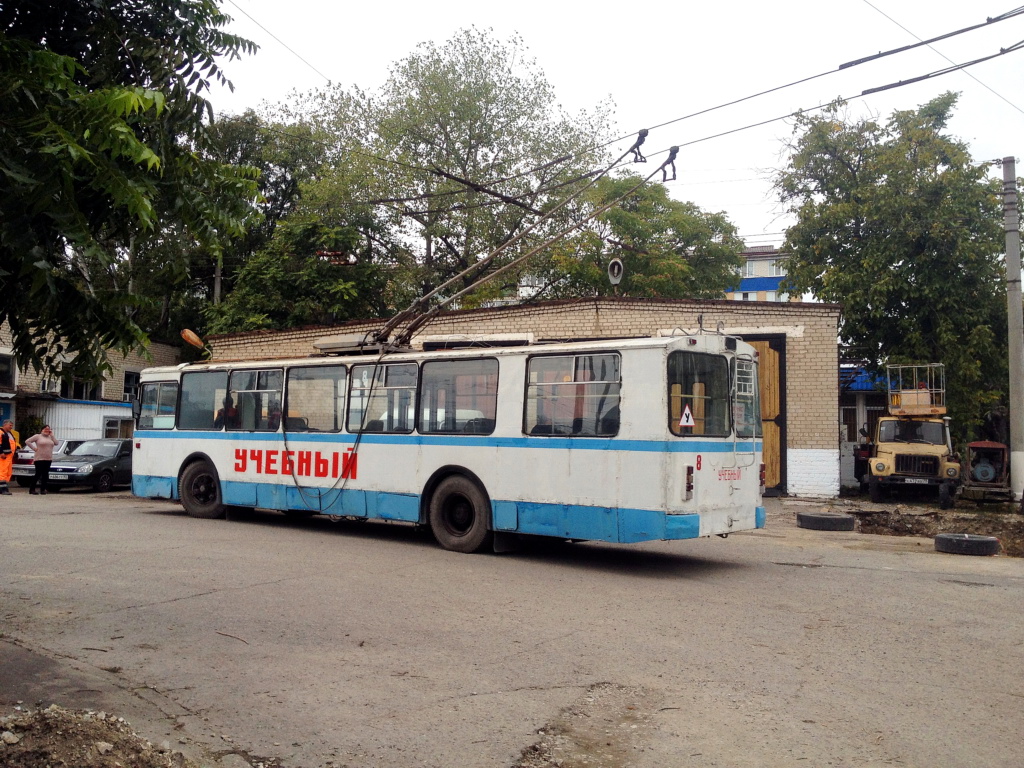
(27, 381)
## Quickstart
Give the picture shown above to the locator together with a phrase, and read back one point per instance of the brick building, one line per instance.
(74, 408)
(796, 342)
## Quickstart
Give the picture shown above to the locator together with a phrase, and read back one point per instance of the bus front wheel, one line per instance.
(199, 490)
(460, 515)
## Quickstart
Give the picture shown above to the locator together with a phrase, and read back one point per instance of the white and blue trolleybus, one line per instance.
(617, 441)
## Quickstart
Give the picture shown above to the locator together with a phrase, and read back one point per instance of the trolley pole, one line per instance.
(1015, 326)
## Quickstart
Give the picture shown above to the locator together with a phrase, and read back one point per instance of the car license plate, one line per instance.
(917, 480)
(24, 471)
(58, 477)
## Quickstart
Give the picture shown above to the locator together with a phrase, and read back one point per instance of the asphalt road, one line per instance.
(314, 643)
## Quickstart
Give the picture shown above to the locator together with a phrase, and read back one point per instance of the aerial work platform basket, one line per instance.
(917, 390)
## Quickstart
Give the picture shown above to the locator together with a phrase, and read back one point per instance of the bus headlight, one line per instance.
(952, 472)
(880, 467)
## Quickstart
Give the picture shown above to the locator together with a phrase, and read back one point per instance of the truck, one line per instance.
(911, 446)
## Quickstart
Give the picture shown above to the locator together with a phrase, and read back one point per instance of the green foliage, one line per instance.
(669, 249)
(896, 223)
(474, 111)
(102, 120)
(304, 277)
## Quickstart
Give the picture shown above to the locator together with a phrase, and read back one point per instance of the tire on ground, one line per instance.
(875, 490)
(199, 491)
(945, 495)
(966, 544)
(460, 515)
(825, 521)
(23, 482)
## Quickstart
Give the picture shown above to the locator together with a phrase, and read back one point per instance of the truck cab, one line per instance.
(911, 446)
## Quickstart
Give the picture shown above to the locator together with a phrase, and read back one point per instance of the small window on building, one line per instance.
(131, 386)
(769, 295)
(6, 372)
(117, 428)
(777, 268)
(78, 389)
(748, 268)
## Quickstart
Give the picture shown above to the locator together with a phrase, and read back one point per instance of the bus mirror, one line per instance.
(864, 431)
(136, 409)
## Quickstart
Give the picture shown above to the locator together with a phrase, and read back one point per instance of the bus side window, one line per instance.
(574, 395)
(459, 397)
(315, 399)
(257, 398)
(158, 405)
(385, 393)
(202, 393)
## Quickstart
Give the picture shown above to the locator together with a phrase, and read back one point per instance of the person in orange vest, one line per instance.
(8, 445)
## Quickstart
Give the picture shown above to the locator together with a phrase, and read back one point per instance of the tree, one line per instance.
(669, 249)
(469, 142)
(899, 225)
(101, 155)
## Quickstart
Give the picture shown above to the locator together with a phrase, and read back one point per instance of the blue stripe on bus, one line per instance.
(569, 521)
(682, 445)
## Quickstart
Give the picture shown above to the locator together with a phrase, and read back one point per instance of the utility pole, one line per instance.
(1015, 326)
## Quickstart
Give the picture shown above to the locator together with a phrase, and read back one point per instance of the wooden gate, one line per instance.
(771, 357)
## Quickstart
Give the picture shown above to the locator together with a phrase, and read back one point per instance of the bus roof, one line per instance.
(707, 342)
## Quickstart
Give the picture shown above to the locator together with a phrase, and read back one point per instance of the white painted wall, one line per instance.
(82, 421)
(812, 472)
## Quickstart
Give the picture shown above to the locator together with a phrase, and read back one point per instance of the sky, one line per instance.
(658, 62)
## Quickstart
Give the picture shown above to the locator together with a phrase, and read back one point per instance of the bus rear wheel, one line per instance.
(460, 515)
(199, 490)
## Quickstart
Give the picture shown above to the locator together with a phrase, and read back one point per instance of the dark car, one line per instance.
(24, 458)
(99, 463)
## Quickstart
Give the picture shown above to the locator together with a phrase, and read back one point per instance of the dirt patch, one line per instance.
(604, 728)
(61, 738)
(1001, 521)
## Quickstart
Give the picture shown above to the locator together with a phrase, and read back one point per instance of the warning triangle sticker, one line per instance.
(687, 419)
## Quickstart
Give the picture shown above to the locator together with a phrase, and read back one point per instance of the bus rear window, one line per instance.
(698, 393)
(159, 403)
(575, 395)
(459, 396)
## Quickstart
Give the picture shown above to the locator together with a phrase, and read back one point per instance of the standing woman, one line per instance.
(43, 444)
(8, 445)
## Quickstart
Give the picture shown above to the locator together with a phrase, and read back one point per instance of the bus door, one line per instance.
(746, 412)
(314, 423)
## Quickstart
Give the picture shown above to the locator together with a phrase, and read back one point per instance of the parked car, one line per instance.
(99, 463)
(24, 458)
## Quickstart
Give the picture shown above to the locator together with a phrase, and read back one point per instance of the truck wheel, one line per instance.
(945, 496)
(825, 521)
(966, 544)
(460, 515)
(199, 490)
(875, 490)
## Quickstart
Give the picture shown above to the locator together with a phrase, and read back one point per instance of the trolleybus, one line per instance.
(617, 441)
